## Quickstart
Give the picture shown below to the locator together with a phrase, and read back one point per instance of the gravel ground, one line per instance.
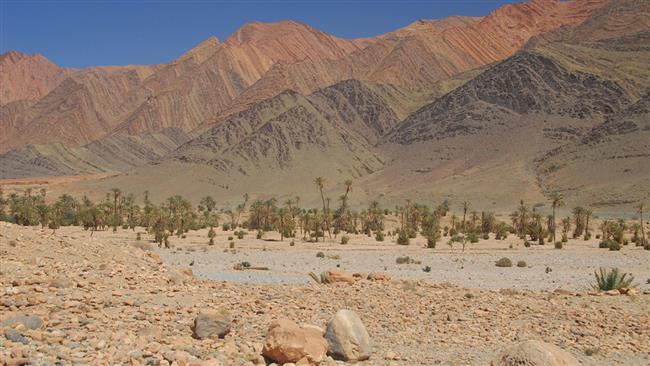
(546, 268)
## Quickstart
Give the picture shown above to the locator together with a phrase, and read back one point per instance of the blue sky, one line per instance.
(78, 33)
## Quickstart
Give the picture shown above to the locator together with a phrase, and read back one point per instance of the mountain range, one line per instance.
(537, 97)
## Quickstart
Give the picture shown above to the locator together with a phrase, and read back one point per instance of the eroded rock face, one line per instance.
(286, 341)
(347, 337)
(534, 353)
(212, 324)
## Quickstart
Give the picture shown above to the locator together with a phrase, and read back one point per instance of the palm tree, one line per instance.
(116, 195)
(465, 209)
(320, 182)
(639, 207)
(588, 213)
(556, 201)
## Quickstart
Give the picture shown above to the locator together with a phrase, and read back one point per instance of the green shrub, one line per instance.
(527, 244)
(240, 234)
(379, 236)
(320, 255)
(604, 244)
(230, 238)
(472, 237)
(138, 236)
(486, 236)
(504, 262)
(245, 264)
(427, 269)
(292, 243)
(521, 264)
(548, 270)
(259, 235)
(402, 238)
(225, 227)
(614, 245)
(407, 260)
(612, 279)
(345, 239)
(559, 245)
(431, 241)
(232, 244)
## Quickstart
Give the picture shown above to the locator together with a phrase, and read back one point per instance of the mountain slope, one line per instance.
(425, 52)
(27, 77)
(181, 94)
(115, 153)
(619, 147)
(280, 144)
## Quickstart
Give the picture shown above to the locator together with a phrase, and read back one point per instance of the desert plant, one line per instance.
(379, 236)
(612, 279)
(504, 262)
(319, 279)
(292, 243)
(427, 269)
(559, 245)
(406, 260)
(232, 245)
(240, 234)
(486, 236)
(614, 245)
(225, 227)
(320, 255)
(527, 244)
(138, 236)
(521, 264)
(230, 238)
(345, 239)
(472, 237)
(402, 238)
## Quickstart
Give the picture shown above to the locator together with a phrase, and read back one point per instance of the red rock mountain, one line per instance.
(27, 77)
(260, 60)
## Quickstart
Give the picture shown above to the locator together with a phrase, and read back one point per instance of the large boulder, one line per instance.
(286, 341)
(335, 275)
(347, 337)
(534, 353)
(211, 324)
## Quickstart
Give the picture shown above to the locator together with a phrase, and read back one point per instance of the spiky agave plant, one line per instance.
(612, 279)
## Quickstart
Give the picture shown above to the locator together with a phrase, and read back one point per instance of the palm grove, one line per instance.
(176, 216)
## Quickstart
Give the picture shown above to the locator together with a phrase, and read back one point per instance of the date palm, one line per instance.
(320, 182)
(640, 207)
(556, 201)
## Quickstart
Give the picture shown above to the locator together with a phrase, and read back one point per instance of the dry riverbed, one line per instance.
(103, 300)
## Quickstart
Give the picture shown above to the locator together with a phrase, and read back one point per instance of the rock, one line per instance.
(288, 342)
(15, 336)
(30, 322)
(61, 282)
(347, 337)
(211, 324)
(177, 278)
(534, 353)
(379, 276)
(335, 275)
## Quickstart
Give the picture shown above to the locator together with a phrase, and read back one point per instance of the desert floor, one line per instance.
(111, 299)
